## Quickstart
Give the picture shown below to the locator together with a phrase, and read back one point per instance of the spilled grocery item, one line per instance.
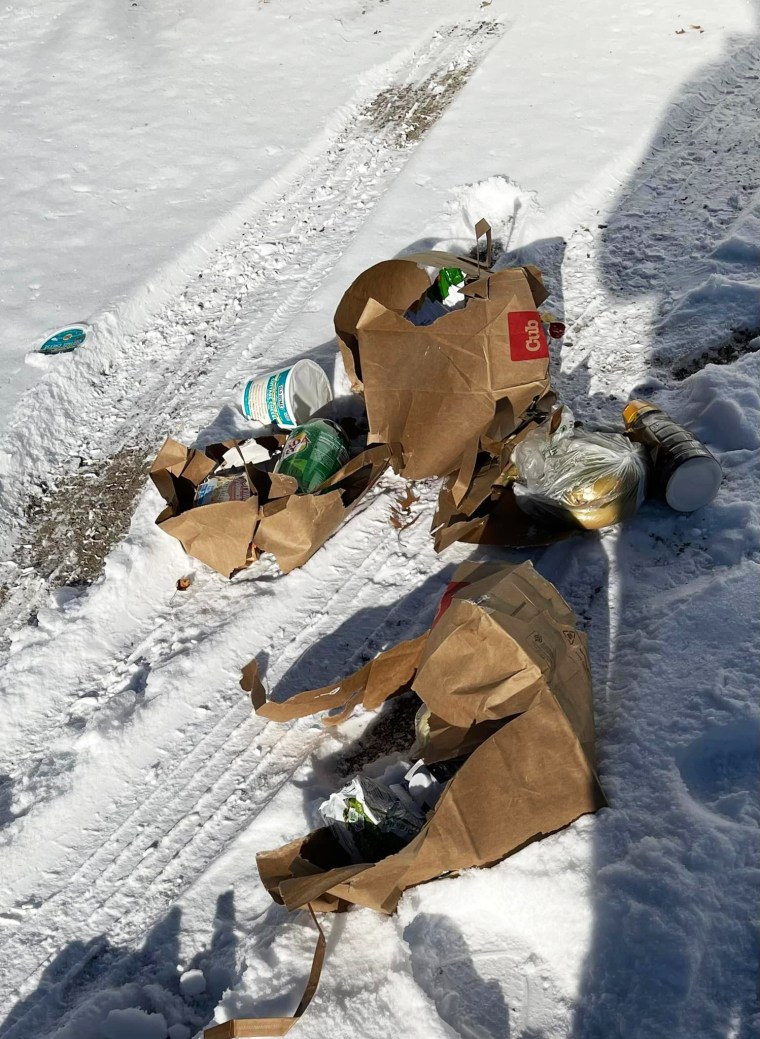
(226, 510)
(287, 397)
(443, 296)
(217, 489)
(313, 453)
(686, 474)
(370, 820)
(576, 476)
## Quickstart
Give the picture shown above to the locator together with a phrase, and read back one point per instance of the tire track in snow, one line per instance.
(204, 801)
(151, 852)
(139, 388)
(59, 719)
(345, 583)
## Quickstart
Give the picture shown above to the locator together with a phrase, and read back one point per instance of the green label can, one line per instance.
(313, 453)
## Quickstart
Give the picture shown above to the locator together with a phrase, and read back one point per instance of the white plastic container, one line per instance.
(288, 396)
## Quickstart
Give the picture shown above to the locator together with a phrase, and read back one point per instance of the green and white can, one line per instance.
(313, 453)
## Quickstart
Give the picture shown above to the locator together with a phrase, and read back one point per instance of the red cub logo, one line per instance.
(527, 341)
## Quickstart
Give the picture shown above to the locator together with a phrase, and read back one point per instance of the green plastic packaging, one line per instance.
(448, 278)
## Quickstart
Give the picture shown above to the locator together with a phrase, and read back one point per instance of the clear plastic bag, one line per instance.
(369, 820)
(579, 477)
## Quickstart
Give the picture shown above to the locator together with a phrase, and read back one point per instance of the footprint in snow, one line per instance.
(720, 769)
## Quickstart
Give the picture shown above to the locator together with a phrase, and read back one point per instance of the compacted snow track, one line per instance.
(230, 320)
(208, 777)
(212, 778)
(133, 763)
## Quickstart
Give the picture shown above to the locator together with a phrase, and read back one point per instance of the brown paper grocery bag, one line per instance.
(505, 673)
(526, 781)
(439, 390)
(396, 284)
(464, 382)
(228, 536)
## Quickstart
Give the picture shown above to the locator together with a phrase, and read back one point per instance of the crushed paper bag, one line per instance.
(396, 285)
(505, 674)
(229, 536)
(477, 505)
(443, 390)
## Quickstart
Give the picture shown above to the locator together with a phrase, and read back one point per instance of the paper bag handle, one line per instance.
(275, 1026)
(483, 228)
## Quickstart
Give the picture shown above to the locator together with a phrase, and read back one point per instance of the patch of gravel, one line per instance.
(390, 732)
(742, 341)
(413, 108)
(74, 526)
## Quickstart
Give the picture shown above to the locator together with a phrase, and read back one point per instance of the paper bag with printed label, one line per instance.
(504, 675)
(230, 535)
(444, 389)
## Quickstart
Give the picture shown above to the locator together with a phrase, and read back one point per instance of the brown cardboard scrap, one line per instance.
(227, 535)
(505, 672)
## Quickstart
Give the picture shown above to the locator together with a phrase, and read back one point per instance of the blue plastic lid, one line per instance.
(64, 339)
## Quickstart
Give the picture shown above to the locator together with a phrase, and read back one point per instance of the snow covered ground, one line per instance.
(287, 147)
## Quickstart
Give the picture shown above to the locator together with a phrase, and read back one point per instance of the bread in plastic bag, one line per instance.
(579, 477)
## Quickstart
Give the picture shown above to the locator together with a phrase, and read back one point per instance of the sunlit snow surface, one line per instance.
(212, 244)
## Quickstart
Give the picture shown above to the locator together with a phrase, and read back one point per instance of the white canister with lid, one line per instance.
(287, 397)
